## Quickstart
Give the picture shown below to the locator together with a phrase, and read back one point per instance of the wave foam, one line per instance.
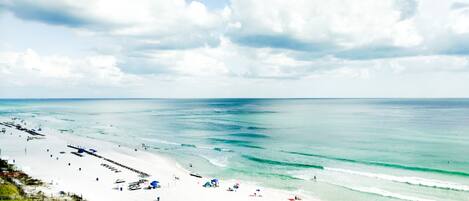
(217, 162)
(384, 193)
(408, 180)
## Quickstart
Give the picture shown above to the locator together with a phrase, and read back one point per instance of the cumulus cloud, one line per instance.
(320, 26)
(168, 24)
(354, 30)
(277, 42)
(460, 18)
(30, 69)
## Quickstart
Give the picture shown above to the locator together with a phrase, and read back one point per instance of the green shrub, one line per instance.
(8, 190)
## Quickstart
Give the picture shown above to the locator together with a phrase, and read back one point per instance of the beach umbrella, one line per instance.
(154, 184)
(81, 150)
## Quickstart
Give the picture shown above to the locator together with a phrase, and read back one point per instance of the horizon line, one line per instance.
(204, 98)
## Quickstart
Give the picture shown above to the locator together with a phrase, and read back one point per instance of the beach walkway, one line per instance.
(141, 174)
(19, 127)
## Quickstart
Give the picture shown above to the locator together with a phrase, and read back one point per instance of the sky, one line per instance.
(234, 49)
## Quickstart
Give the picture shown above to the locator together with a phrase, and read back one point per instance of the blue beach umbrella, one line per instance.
(154, 184)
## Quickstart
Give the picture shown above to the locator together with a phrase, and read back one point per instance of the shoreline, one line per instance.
(50, 160)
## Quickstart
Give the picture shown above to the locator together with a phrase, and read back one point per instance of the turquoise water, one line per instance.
(358, 149)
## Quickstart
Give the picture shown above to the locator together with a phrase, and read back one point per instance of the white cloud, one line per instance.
(344, 23)
(194, 62)
(30, 69)
(175, 23)
(460, 20)
(173, 46)
(25, 73)
(426, 64)
(230, 59)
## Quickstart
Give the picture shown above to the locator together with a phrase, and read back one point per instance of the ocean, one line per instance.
(333, 149)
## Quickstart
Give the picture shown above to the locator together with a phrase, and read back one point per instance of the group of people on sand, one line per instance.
(257, 193)
(235, 187)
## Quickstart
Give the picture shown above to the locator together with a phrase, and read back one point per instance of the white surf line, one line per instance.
(379, 192)
(408, 180)
(215, 161)
(384, 193)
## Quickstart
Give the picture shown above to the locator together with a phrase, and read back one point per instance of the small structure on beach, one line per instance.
(215, 182)
(195, 175)
(212, 183)
(207, 184)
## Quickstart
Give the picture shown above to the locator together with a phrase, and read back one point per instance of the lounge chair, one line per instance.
(118, 181)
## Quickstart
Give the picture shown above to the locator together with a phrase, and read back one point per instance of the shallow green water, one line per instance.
(358, 149)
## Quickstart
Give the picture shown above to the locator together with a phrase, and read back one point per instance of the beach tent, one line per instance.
(207, 184)
(93, 150)
(154, 184)
(214, 182)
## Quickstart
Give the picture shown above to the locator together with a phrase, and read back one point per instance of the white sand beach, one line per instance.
(48, 159)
